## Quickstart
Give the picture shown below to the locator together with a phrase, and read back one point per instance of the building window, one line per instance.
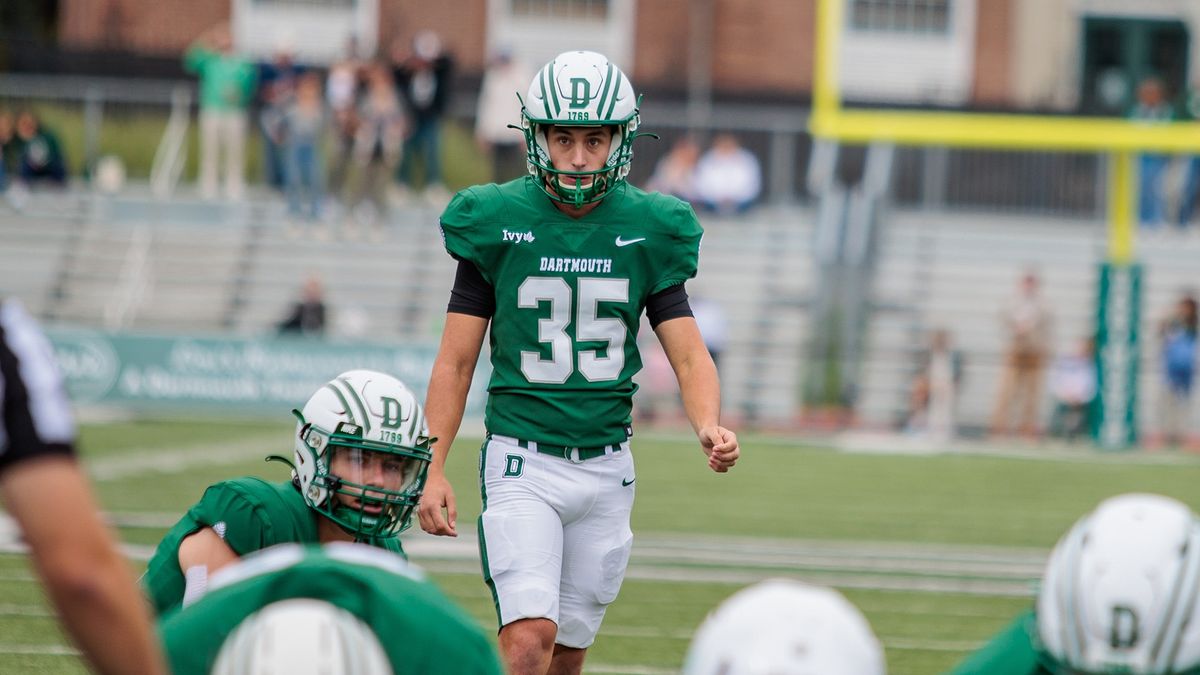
(307, 4)
(561, 9)
(903, 16)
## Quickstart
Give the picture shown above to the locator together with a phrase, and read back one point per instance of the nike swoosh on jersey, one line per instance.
(626, 242)
(627, 483)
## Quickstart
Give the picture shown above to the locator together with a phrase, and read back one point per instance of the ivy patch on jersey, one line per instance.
(514, 466)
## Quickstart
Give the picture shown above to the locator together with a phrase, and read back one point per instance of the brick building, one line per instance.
(1028, 54)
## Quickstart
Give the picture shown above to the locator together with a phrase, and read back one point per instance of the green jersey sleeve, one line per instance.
(1010, 652)
(459, 225)
(683, 233)
(237, 515)
(248, 513)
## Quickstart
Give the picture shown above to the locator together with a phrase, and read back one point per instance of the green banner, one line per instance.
(220, 374)
(1114, 424)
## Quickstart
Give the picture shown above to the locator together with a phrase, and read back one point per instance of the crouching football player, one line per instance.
(358, 469)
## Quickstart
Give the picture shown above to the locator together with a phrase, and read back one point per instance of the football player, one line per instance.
(785, 627)
(359, 461)
(338, 609)
(562, 263)
(1118, 596)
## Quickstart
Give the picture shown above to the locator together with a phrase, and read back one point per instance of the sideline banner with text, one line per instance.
(222, 374)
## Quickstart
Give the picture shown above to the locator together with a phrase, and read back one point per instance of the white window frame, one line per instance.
(536, 40)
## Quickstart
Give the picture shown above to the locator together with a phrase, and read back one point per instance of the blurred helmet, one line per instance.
(580, 89)
(302, 635)
(363, 436)
(1120, 590)
(784, 627)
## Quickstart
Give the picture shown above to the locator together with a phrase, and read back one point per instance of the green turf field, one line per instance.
(939, 551)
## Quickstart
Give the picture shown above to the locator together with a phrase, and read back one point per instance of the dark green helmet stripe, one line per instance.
(342, 398)
(549, 84)
(607, 86)
(412, 425)
(612, 105)
(361, 406)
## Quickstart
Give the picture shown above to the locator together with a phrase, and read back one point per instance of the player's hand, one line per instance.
(721, 447)
(437, 510)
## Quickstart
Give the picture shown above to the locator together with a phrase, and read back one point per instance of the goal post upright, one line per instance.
(1119, 292)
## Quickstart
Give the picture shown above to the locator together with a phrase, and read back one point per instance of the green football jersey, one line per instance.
(1010, 652)
(250, 514)
(569, 299)
(420, 628)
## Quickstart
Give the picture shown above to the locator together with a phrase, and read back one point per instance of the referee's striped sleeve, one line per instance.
(37, 417)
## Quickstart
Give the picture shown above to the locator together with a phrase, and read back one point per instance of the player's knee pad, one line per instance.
(525, 587)
(612, 569)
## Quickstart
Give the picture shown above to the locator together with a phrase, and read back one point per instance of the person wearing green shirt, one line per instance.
(358, 469)
(338, 609)
(1119, 595)
(560, 265)
(227, 83)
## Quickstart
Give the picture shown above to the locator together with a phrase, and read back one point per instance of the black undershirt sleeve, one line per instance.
(472, 294)
(669, 303)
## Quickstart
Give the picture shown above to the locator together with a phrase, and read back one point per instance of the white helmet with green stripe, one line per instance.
(373, 428)
(1120, 591)
(579, 89)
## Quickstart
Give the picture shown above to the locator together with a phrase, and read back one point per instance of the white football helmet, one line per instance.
(785, 627)
(1120, 590)
(579, 89)
(302, 635)
(372, 427)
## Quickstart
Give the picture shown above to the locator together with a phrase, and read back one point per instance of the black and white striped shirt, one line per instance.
(37, 417)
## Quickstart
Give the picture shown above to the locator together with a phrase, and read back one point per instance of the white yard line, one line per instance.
(39, 650)
(610, 669)
(163, 461)
(25, 611)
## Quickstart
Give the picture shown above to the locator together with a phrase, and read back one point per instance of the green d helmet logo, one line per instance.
(581, 92)
(391, 413)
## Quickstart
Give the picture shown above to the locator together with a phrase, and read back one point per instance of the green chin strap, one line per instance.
(578, 194)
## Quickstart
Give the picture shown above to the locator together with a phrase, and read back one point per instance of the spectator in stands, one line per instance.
(1073, 388)
(45, 490)
(40, 157)
(377, 146)
(277, 81)
(1026, 321)
(308, 314)
(226, 87)
(933, 396)
(304, 122)
(1151, 108)
(1178, 333)
(423, 80)
(675, 173)
(342, 92)
(499, 107)
(728, 178)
